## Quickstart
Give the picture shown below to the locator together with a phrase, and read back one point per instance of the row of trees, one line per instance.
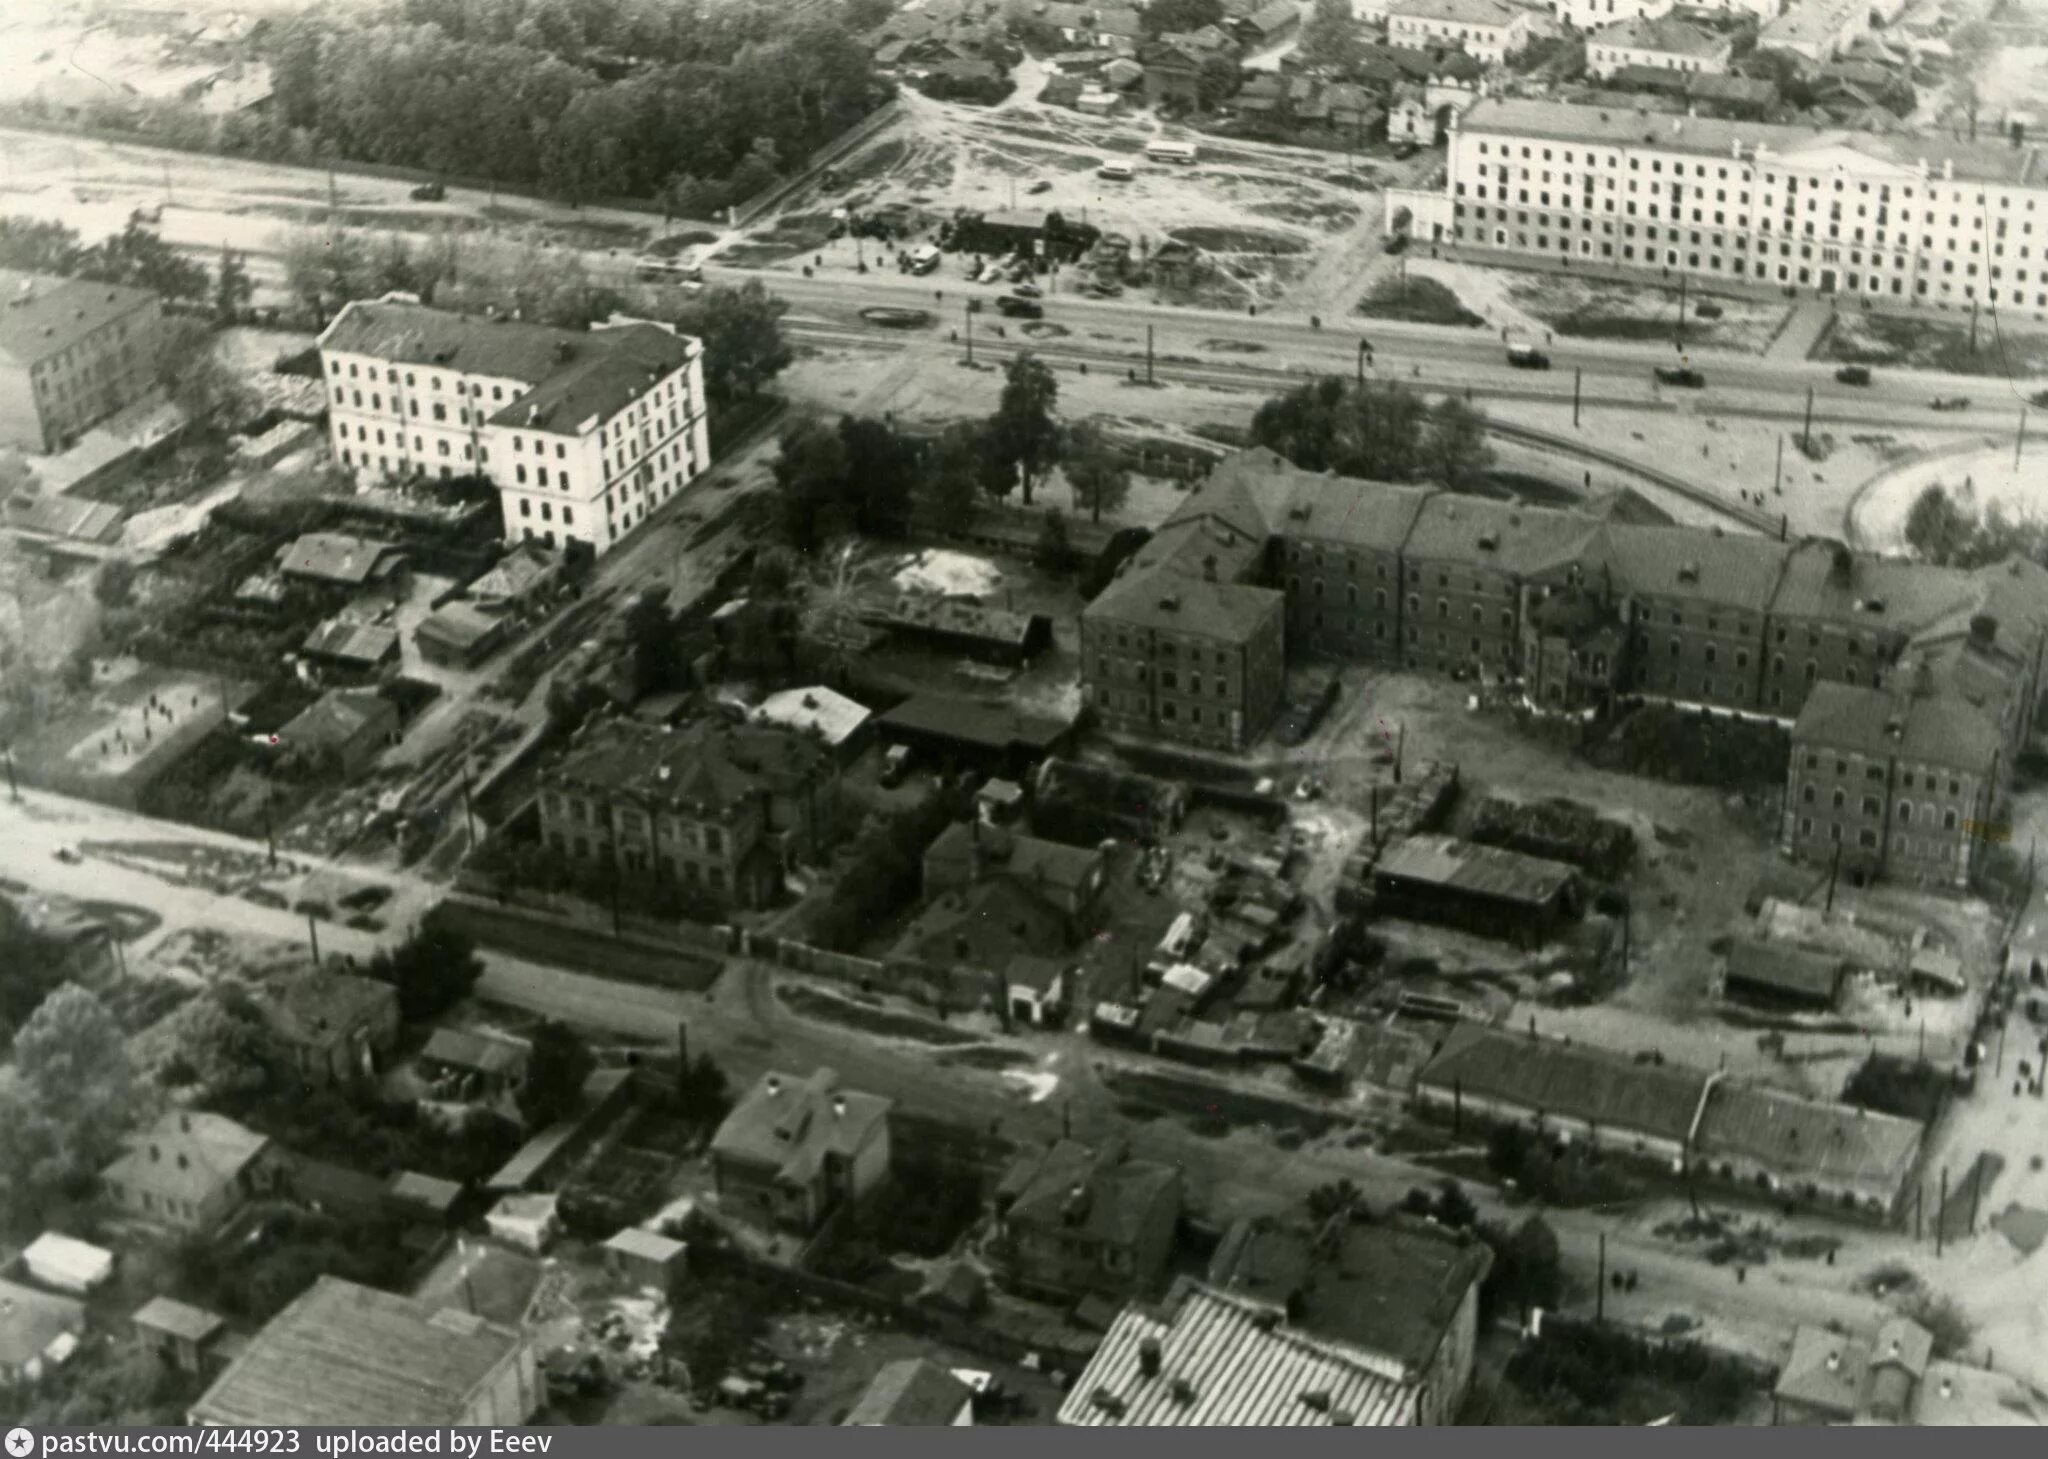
(1382, 431)
(1956, 533)
(575, 97)
(865, 475)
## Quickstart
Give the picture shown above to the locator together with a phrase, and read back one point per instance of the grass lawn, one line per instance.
(1590, 309)
(1932, 343)
(1418, 300)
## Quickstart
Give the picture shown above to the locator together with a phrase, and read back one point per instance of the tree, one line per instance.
(1177, 17)
(1096, 471)
(1024, 435)
(702, 1096)
(881, 473)
(232, 287)
(757, 170)
(1936, 528)
(433, 970)
(71, 1099)
(810, 473)
(653, 644)
(1218, 81)
(1334, 1198)
(949, 486)
(744, 347)
(1055, 549)
(195, 378)
(1329, 37)
(36, 246)
(555, 1070)
(1456, 445)
(139, 258)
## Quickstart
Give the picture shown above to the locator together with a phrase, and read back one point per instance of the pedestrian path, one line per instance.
(1810, 320)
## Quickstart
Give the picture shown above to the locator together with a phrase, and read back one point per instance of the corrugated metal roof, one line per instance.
(1487, 870)
(1226, 1363)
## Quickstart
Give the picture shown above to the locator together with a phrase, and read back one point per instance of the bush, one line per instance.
(1587, 1371)
(1896, 1086)
(1418, 300)
(1695, 748)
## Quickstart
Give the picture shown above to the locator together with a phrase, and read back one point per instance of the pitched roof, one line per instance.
(406, 333)
(910, 1393)
(459, 625)
(1985, 161)
(187, 1156)
(1031, 859)
(42, 315)
(984, 927)
(791, 1125)
(1119, 1195)
(1276, 17)
(1784, 968)
(1664, 34)
(615, 368)
(1492, 871)
(1801, 1139)
(1225, 1363)
(816, 709)
(336, 718)
(1825, 1371)
(461, 1048)
(180, 1319)
(344, 1354)
(1824, 579)
(524, 566)
(1575, 1081)
(31, 1320)
(1387, 1288)
(336, 557)
(1731, 570)
(314, 1007)
(708, 767)
(1461, 12)
(990, 726)
(1926, 726)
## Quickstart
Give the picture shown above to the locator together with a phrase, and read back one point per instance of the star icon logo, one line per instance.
(20, 1443)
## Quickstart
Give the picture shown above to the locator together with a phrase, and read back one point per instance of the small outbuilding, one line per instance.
(647, 1258)
(528, 1223)
(180, 1335)
(1783, 974)
(66, 1264)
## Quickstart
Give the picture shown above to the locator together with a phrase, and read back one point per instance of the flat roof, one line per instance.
(1489, 871)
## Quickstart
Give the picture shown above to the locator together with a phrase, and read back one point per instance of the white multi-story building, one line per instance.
(1819, 30)
(1662, 44)
(1591, 14)
(584, 434)
(1932, 219)
(1486, 30)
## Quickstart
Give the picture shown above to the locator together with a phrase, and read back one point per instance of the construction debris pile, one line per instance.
(1557, 830)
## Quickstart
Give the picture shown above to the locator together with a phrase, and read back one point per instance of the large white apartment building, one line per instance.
(1933, 219)
(1591, 14)
(584, 434)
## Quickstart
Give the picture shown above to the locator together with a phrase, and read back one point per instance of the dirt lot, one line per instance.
(1537, 305)
(2009, 353)
(1270, 215)
(1976, 476)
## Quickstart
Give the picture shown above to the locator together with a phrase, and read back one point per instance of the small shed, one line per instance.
(526, 1222)
(178, 1334)
(66, 1264)
(423, 1197)
(647, 1258)
(1783, 973)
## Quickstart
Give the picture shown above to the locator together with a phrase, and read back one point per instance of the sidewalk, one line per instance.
(1802, 332)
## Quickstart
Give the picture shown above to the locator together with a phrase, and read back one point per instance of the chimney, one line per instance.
(1834, 1362)
(838, 1106)
(1983, 630)
(1183, 1391)
(1948, 1388)
(1948, 169)
(1209, 567)
(773, 1084)
(185, 1124)
(1149, 1357)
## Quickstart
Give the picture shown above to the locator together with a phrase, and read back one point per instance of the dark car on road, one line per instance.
(1853, 375)
(429, 192)
(1950, 402)
(1683, 375)
(1527, 357)
(1016, 308)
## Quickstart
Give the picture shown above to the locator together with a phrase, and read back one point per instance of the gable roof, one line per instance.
(910, 1393)
(601, 379)
(1910, 724)
(180, 1319)
(407, 333)
(791, 1125)
(337, 717)
(186, 1156)
(343, 1354)
(984, 927)
(1574, 1081)
(1030, 859)
(1783, 968)
(336, 557)
(315, 1007)
(43, 315)
(708, 767)
(1118, 1193)
(461, 1048)
(1826, 1371)
(1800, 1139)
(1225, 1363)
(1664, 34)
(1496, 13)
(1385, 1288)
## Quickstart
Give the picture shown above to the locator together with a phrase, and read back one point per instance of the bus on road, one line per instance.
(1171, 151)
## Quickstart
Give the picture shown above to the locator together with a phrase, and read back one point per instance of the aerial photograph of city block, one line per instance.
(1023, 712)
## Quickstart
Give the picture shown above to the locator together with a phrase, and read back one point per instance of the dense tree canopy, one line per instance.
(1382, 431)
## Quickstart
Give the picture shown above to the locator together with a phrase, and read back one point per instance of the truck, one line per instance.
(1013, 307)
(1682, 375)
(1527, 357)
(1116, 171)
(1183, 152)
(925, 259)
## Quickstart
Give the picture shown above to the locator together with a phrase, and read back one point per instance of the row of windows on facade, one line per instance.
(661, 394)
(1138, 705)
(1906, 775)
(666, 828)
(1138, 672)
(1166, 647)
(1870, 283)
(84, 354)
(1957, 195)
(1914, 847)
(689, 871)
(1873, 806)
(1740, 243)
(1790, 204)
(99, 370)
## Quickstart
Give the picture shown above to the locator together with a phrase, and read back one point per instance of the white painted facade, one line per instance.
(1486, 30)
(1823, 210)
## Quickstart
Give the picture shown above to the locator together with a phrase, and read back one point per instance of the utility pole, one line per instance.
(1375, 826)
(1834, 870)
(1778, 476)
(2019, 440)
(313, 930)
(969, 307)
(1148, 355)
(1578, 378)
(13, 789)
(1681, 311)
(468, 813)
(1362, 349)
(1941, 1213)
(1808, 438)
(1600, 1288)
(1400, 744)
(1919, 1208)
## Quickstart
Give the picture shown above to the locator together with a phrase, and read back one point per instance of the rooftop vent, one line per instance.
(773, 1085)
(1149, 1357)
(1075, 1208)
(1300, 511)
(1170, 603)
(1834, 1362)
(1317, 1399)
(1688, 572)
(838, 1106)
(1489, 541)
(1108, 1402)
(1183, 1391)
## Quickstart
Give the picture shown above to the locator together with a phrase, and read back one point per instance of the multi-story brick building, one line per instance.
(1577, 610)
(1486, 30)
(583, 433)
(1662, 44)
(72, 353)
(1935, 219)
(716, 810)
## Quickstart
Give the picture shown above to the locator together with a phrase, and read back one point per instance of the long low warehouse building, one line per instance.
(1486, 889)
(1810, 1150)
